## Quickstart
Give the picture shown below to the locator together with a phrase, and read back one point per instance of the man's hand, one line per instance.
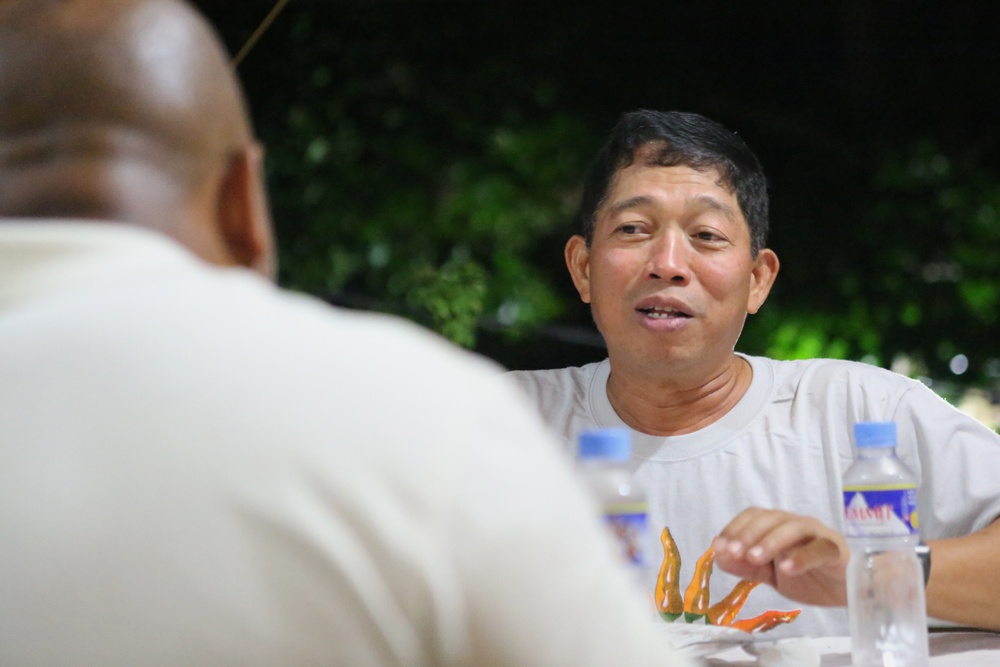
(803, 559)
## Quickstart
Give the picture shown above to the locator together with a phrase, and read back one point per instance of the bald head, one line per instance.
(124, 110)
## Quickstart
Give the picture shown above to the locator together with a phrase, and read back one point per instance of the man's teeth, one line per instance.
(662, 313)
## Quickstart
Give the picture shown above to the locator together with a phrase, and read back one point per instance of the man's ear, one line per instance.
(243, 215)
(765, 270)
(578, 262)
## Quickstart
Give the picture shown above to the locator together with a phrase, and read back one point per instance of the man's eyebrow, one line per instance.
(703, 201)
(713, 204)
(630, 203)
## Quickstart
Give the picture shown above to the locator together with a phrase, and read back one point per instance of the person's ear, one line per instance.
(762, 275)
(578, 262)
(243, 215)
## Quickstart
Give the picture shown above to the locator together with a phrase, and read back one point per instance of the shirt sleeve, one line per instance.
(956, 459)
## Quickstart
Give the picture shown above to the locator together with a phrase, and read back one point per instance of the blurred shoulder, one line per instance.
(307, 346)
(399, 348)
(572, 380)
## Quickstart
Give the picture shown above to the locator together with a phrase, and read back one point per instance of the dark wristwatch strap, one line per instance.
(924, 554)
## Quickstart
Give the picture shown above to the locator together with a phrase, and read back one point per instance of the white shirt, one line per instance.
(199, 468)
(786, 445)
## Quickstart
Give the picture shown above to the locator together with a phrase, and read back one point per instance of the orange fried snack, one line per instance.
(668, 598)
(724, 612)
(696, 595)
(766, 621)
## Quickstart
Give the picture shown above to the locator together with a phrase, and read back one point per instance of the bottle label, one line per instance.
(628, 523)
(881, 511)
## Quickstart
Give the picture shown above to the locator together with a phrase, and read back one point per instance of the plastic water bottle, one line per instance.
(885, 581)
(601, 460)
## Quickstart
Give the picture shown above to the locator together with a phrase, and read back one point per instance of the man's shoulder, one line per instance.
(387, 345)
(565, 397)
(828, 369)
(549, 381)
(310, 325)
(825, 380)
(235, 325)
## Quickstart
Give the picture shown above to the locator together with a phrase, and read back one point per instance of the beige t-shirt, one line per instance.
(201, 469)
(786, 445)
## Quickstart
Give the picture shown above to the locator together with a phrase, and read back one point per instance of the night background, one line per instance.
(424, 158)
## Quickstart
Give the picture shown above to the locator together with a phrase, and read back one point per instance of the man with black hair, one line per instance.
(745, 454)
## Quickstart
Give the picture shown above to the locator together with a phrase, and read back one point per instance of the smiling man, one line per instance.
(669, 257)
(745, 454)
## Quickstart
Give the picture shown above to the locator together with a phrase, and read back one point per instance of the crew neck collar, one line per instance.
(689, 445)
(42, 256)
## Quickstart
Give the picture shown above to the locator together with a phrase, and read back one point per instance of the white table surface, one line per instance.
(953, 648)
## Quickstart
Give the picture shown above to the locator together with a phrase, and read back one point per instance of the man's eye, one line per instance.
(629, 228)
(708, 236)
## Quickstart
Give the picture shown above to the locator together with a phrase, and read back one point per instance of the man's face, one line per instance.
(669, 273)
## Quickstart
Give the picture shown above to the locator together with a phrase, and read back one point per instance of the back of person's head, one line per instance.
(674, 138)
(128, 111)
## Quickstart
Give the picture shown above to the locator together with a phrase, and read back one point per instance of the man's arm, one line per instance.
(806, 561)
(965, 579)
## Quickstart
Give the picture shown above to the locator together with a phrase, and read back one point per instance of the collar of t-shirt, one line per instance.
(689, 445)
(41, 257)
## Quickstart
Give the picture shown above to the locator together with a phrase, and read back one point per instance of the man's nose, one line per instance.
(669, 259)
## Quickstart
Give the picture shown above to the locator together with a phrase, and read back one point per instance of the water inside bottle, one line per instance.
(888, 627)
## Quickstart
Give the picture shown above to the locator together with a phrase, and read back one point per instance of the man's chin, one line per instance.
(658, 361)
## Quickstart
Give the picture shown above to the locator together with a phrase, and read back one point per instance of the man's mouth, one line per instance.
(662, 313)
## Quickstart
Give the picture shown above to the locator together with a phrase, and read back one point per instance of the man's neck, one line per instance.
(657, 407)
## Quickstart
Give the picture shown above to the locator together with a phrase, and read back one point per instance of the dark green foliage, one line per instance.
(915, 275)
(400, 186)
(424, 159)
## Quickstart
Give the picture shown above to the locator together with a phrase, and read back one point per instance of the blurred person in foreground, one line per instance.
(201, 469)
(671, 255)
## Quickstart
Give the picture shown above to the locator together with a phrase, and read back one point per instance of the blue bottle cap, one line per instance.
(875, 434)
(608, 443)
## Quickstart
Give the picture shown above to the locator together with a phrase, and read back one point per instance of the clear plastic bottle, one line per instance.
(601, 460)
(885, 581)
